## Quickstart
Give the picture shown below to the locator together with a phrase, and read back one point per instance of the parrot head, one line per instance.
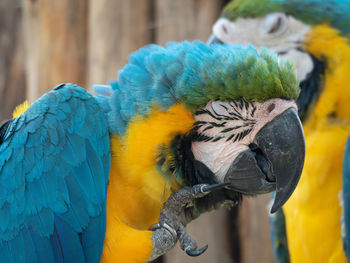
(291, 29)
(256, 147)
(244, 129)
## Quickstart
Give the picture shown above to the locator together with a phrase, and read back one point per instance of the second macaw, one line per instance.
(314, 35)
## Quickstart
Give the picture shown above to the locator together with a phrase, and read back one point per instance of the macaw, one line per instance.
(314, 35)
(116, 177)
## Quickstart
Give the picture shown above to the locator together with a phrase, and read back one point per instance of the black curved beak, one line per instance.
(274, 162)
(214, 40)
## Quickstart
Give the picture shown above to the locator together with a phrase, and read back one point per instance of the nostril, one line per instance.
(224, 26)
(276, 26)
(271, 107)
(253, 147)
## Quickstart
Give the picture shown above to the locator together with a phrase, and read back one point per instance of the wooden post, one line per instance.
(211, 229)
(185, 19)
(56, 43)
(12, 75)
(255, 231)
(116, 29)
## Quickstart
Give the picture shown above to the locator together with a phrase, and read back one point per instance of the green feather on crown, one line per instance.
(336, 13)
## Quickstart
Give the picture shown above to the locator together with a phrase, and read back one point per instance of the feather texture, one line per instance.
(326, 131)
(161, 77)
(313, 12)
(54, 168)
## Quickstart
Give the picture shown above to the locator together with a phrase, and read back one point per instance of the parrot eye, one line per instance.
(276, 26)
(222, 27)
(271, 107)
(274, 23)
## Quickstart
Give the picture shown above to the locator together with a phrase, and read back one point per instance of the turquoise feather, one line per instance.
(194, 73)
(54, 169)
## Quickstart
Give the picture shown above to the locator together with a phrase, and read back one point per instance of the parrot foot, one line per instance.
(189, 245)
(177, 212)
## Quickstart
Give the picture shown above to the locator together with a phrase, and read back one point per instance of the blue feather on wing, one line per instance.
(54, 168)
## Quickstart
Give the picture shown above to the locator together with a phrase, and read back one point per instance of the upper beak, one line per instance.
(214, 40)
(274, 161)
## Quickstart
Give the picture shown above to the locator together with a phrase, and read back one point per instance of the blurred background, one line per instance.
(47, 42)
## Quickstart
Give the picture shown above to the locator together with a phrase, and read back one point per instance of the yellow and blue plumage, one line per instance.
(83, 178)
(54, 170)
(134, 153)
(314, 35)
(326, 132)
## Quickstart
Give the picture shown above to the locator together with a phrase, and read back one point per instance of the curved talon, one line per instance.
(212, 187)
(196, 252)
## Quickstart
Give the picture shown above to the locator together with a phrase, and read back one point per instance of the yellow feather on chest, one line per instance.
(313, 211)
(137, 190)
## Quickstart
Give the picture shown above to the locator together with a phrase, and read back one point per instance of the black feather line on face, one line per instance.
(199, 137)
(200, 112)
(222, 124)
(234, 106)
(198, 123)
(311, 88)
(236, 137)
(281, 53)
(231, 129)
(224, 107)
(208, 128)
(253, 111)
(246, 105)
(240, 104)
(231, 136)
(3, 130)
(236, 116)
(217, 139)
(301, 49)
(189, 171)
(233, 113)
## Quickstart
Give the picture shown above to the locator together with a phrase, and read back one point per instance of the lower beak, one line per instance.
(274, 162)
(214, 40)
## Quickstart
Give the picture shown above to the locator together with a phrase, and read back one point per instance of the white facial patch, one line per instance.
(277, 31)
(225, 129)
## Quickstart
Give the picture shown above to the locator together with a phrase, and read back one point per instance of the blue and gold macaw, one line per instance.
(116, 178)
(314, 35)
